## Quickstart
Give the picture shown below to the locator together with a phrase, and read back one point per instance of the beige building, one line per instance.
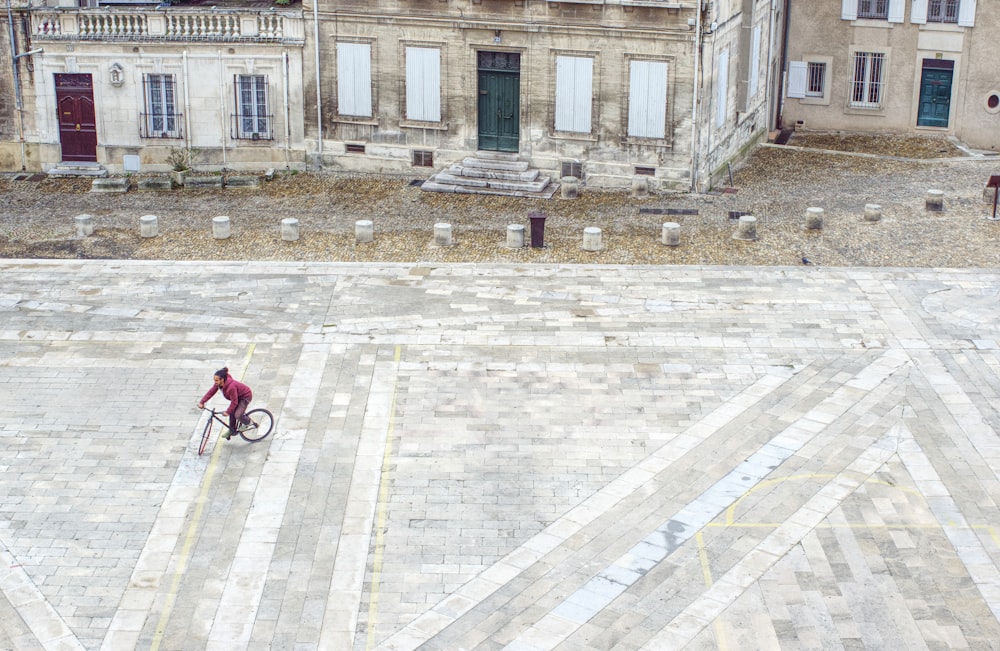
(116, 84)
(602, 90)
(895, 66)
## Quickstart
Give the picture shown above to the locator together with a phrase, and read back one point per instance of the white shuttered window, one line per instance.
(647, 99)
(354, 79)
(797, 75)
(423, 84)
(754, 63)
(967, 13)
(574, 84)
(722, 98)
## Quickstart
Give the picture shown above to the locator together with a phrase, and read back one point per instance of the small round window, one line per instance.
(993, 101)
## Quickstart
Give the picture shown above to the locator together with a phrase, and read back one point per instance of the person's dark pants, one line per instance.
(239, 414)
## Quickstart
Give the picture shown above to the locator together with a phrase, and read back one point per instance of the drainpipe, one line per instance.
(784, 61)
(319, 102)
(288, 127)
(187, 100)
(18, 104)
(222, 106)
(694, 97)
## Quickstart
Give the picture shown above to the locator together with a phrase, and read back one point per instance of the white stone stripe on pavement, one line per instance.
(41, 619)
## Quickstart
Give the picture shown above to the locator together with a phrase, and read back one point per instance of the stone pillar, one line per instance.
(220, 228)
(591, 239)
(84, 225)
(747, 229)
(290, 229)
(671, 235)
(935, 200)
(640, 187)
(873, 212)
(570, 187)
(515, 236)
(442, 234)
(149, 226)
(364, 230)
(814, 219)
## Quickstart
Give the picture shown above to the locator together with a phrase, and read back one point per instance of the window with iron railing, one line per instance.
(867, 80)
(942, 11)
(161, 119)
(252, 120)
(873, 9)
(815, 79)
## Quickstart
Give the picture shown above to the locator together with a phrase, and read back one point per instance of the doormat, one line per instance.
(668, 211)
(416, 183)
(21, 177)
(37, 177)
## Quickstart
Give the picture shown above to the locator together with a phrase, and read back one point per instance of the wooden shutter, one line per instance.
(354, 79)
(797, 73)
(754, 63)
(423, 84)
(896, 10)
(722, 95)
(918, 12)
(574, 84)
(647, 99)
(967, 13)
(849, 9)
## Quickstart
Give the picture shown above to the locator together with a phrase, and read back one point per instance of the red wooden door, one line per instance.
(77, 119)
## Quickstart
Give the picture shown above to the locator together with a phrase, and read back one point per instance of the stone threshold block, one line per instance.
(109, 185)
(246, 182)
(203, 182)
(157, 183)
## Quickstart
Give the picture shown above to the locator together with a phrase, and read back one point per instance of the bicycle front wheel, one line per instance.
(206, 433)
(261, 424)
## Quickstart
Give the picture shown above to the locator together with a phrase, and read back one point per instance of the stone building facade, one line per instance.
(903, 66)
(143, 80)
(601, 90)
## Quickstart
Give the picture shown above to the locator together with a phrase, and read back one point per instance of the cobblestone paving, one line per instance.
(516, 457)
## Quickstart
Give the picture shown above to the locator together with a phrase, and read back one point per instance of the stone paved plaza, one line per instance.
(500, 457)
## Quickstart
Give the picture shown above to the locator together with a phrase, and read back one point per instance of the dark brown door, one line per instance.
(77, 120)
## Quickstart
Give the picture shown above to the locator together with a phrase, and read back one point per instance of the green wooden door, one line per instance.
(935, 97)
(499, 101)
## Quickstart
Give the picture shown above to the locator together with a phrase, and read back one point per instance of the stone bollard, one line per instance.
(640, 187)
(364, 230)
(149, 226)
(671, 235)
(442, 234)
(873, 212)
(747, 229)
(84, 225)
(814, 219)
(515, 236)
(290, 229)
(591, 239)
(570, 187)
(935, 200)
(220, 228)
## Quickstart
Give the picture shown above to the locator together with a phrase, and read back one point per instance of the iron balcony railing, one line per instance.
(161, 125)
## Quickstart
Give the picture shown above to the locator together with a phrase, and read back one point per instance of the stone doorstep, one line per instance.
(109, 185)
(547, 193)
(452, 179)
(506, 166)
(498, 155)
(458, 170)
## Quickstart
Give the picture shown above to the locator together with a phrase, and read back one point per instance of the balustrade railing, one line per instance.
(169, 25)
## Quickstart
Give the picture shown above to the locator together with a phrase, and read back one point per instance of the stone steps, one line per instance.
(496, 173)
(78, 169)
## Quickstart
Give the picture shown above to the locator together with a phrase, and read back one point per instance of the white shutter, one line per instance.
(647, 99)
(797, 71)
(918, 12)
(354, 79)
(754, 63)
(967, 13)
(849, 9)
(722, 78)
(423, 84)
(896, 10)
(574, 85)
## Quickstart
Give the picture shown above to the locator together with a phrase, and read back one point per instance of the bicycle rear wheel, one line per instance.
(261, 424)
(205, 436)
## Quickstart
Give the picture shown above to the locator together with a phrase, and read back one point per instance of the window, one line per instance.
(873, 9)
(574, 82)
(815, 79)
(754, 63)
(423, 84)
(942, 11)
(253, 122)
(722, 79)
(160, 119)
(866, 82)
(647, 99)
(354, 79)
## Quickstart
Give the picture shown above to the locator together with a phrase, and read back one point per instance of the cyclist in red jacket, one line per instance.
(238, 394)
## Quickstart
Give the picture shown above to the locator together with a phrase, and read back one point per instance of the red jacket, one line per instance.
(233, 391)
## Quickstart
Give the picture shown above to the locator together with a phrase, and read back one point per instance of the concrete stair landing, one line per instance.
(492, 173)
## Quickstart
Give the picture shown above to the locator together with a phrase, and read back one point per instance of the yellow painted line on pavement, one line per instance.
(383, 512)
(199, 508)
(706, 570)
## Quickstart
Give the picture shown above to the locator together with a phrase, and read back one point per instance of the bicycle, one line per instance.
(260, 425)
